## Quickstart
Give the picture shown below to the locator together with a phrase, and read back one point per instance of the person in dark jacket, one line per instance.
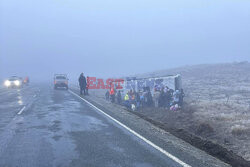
(119, 97)
(138, 99)
(148, 97)
(182, 95)
(162, 98)
(107, 95)
(82, 84)
(168, 99)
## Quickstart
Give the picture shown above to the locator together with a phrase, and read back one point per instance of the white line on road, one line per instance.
(136, 134)
(20, 112)
(34, 96)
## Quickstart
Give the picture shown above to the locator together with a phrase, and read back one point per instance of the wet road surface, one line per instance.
(43, 127)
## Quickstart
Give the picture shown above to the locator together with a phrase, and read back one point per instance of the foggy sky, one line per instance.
(119, 37)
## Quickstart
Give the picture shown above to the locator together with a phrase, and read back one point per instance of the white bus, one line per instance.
(173, 82)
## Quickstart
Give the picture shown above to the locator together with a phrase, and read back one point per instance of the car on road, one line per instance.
(14, 82)
(61, 81)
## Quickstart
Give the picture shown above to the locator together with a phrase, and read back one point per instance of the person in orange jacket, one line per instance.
(112, 95)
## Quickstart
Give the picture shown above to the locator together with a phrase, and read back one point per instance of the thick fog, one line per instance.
(119, 37)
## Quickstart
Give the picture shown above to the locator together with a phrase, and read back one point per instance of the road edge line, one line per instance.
(20, 112)
(135, 133)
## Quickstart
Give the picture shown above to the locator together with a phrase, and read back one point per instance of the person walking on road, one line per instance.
(82, 84)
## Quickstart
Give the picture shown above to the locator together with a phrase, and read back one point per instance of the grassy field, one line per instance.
(217, 104)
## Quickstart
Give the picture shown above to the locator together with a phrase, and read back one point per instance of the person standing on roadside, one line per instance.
(112, 95)
(126, 100)
(156, 97)
(82, 84)
(182, 95)
(87, 87)
(161, 102)
(168, 99)
(119, 97)
(107, 95)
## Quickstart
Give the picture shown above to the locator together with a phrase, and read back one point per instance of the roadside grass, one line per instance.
(217, 104)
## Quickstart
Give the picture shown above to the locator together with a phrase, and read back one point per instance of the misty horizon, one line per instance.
(115, 39)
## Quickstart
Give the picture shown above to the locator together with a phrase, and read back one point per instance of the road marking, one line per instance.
(34, 96)
(20, 112)
(136, 134)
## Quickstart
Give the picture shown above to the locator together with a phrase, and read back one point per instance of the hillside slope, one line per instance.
(217, 104)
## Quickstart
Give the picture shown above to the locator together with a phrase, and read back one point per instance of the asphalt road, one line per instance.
(43, 127)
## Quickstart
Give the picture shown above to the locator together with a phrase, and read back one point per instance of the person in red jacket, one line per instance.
(87, 86)
(112, 95)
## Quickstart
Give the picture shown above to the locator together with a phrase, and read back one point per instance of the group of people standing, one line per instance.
(135, 100)
(168, 98)
(162, 97)
(83, 84)
(113, 96)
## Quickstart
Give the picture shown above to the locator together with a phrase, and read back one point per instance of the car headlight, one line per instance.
(7, 83)
(17, 83)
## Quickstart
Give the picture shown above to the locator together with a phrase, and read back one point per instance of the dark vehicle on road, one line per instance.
(61, 81)
(13, 82)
